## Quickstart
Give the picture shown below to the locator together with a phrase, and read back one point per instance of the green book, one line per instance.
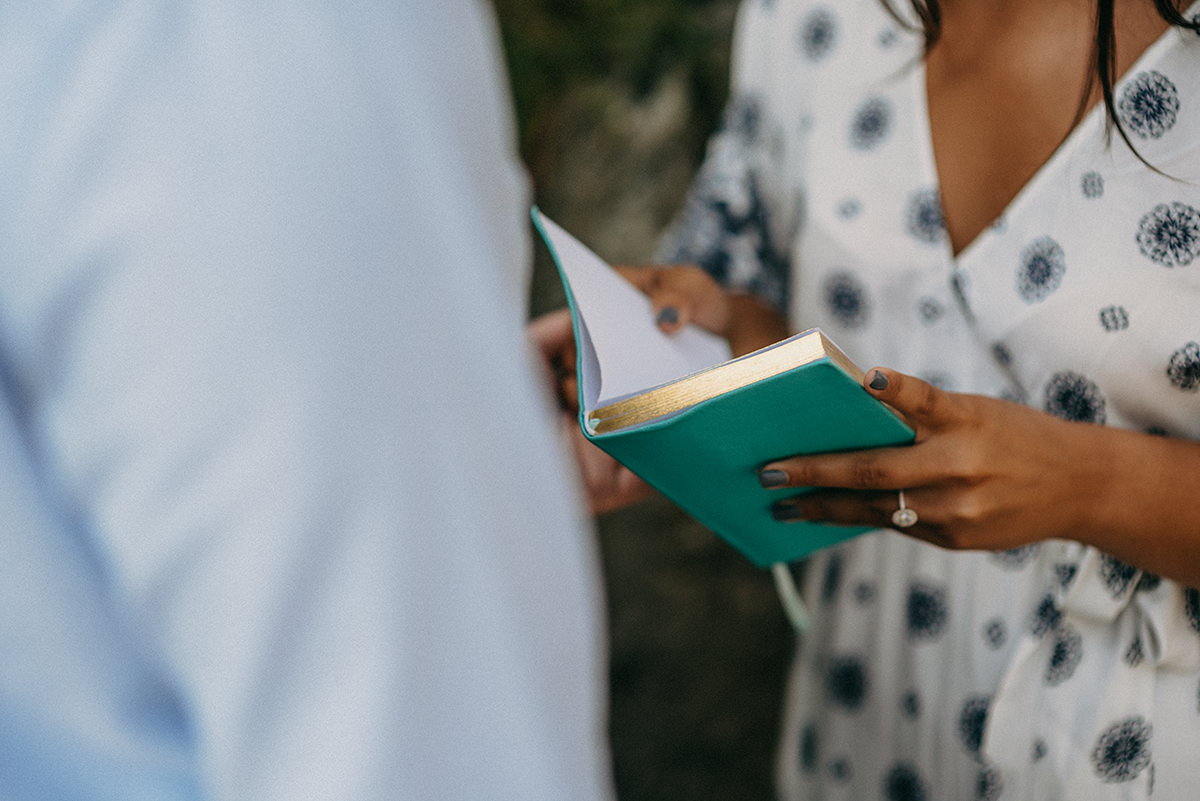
(697, 424)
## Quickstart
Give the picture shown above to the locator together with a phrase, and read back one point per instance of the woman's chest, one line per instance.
(1083, 291)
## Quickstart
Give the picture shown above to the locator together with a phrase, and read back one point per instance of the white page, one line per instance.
(631, 352)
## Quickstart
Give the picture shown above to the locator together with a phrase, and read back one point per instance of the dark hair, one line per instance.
(1104, 49)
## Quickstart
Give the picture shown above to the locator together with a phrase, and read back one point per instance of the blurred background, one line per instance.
(615, 100)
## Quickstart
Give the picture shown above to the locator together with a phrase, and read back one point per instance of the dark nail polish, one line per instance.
(785, 512)
(668, 315)
(879, 381)
(772, 478)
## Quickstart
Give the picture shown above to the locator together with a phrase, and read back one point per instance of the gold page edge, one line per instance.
(705, 385)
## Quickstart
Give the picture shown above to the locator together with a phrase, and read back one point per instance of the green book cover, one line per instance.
(698, 425)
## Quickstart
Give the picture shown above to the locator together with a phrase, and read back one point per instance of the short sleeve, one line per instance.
(736, 222)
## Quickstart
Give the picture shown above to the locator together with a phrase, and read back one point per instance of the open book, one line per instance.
(697, 424)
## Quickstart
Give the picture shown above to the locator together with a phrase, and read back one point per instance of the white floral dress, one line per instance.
(1048, 672)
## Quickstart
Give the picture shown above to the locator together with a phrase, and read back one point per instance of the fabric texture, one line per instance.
(282, 507)
(1047, 672)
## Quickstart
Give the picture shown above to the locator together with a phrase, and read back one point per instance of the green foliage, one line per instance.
(555, 47)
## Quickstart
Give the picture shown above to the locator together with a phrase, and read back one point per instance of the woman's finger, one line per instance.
(927, 409)
(873, 469)
(554, 336)
(608, 485)
(643, 276)
(672, 309)
(682, 294)
(844, 507)
(552, 333)
(922, 404)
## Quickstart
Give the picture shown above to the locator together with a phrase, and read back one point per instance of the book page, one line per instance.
(631, 352)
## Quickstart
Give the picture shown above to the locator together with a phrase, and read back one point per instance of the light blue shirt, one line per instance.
(281, 512)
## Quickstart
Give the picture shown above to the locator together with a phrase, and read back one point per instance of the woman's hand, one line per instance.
(554, 337)
(607, 484)
(988, 474)
(679, 295)
(682, 294)
(982, 474)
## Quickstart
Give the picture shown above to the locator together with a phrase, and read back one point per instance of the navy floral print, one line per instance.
(1044, 671)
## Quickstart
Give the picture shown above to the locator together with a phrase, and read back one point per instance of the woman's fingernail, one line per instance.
(879, 381)
(785, 512)
(668, 315)
(772, 478)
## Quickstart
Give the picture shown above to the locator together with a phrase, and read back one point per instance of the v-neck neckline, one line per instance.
(1093, 117)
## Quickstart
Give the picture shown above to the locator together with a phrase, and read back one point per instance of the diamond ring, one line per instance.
(903, 517)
